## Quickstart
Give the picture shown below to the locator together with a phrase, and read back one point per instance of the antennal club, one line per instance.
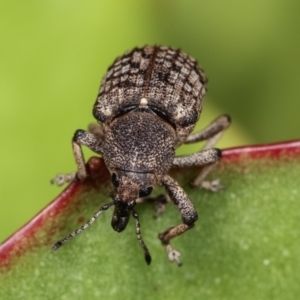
(139, 237)
(61, 242)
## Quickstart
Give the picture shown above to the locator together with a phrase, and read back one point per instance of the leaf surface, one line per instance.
(245, 244)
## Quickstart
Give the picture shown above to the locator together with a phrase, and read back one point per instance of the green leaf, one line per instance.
(245, 244)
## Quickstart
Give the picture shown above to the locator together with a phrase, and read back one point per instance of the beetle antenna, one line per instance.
(139, 237)
(61, 242)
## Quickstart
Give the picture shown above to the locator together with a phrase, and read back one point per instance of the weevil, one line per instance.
(148, 104)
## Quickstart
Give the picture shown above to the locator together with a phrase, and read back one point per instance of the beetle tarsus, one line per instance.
(213, 185)
(61, 179)
(173, 255)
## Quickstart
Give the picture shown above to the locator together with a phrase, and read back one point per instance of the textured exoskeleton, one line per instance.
(147, 106)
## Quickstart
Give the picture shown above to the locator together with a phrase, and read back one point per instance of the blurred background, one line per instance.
(53, 55)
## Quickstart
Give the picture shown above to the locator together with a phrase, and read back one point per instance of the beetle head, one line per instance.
(128, 187)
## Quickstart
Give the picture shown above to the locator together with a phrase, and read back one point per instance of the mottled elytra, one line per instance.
(147, 106)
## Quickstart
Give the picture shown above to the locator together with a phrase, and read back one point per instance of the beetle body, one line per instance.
(148, 103)
(147, 106)
(169, 80)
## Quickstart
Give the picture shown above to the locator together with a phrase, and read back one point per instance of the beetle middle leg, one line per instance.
(209, 158)
(212, 133)
(81, 137)
(188, 215)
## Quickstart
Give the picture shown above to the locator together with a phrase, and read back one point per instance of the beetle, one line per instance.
(148, 104)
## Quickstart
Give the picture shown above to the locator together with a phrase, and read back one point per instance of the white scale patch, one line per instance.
(143, 102)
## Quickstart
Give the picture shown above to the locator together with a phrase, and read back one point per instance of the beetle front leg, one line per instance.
(81, 137)
(188, 215)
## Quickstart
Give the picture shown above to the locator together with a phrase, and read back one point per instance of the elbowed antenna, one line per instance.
(61, 242)
(139, 237)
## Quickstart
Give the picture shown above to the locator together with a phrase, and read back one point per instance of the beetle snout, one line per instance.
(120, 217)
(119, 223)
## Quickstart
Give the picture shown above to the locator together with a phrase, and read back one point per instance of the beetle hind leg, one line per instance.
(212, 133)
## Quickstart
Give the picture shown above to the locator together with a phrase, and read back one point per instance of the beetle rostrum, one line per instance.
(147, 106)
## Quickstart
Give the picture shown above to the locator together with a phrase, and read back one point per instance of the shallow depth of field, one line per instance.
(53, 55)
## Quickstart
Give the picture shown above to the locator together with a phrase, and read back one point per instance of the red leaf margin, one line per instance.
(17, 243)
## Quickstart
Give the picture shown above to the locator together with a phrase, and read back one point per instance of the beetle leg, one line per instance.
(188, 215)
(81, 137)
(61, 179)
(209, 158)
(97, 131)
(211, 133)
(204, 157)
(159, 203)
(199, 181)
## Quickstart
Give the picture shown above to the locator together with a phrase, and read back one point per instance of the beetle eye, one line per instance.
(115, 180)
(144, 192)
